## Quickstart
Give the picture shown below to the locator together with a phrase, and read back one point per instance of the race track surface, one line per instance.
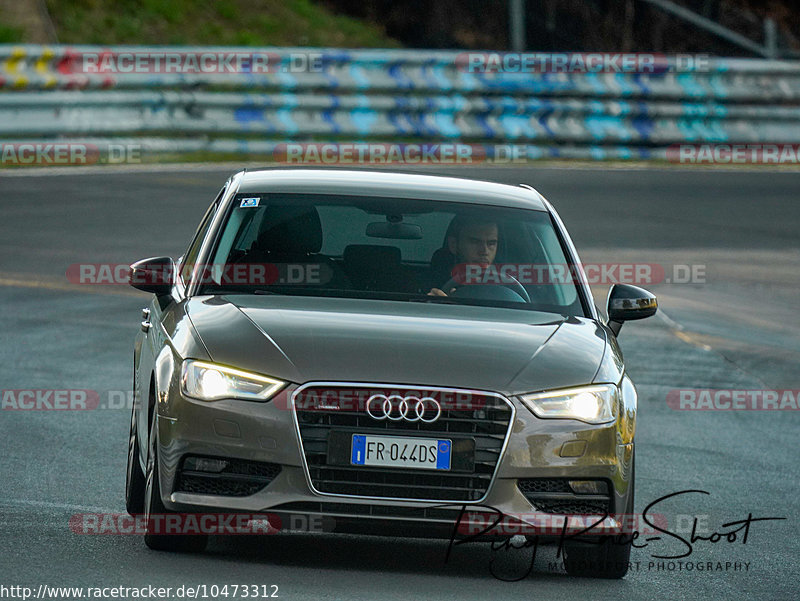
(740, 329)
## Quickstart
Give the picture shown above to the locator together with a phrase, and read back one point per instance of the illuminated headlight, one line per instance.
(592, 404)
(209, 382)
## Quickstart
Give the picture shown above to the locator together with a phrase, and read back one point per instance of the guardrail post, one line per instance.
(516, 24)
(770, 38)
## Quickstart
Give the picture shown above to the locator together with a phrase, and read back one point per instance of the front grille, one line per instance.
(468, 419)
(239, 478)
(554, 495)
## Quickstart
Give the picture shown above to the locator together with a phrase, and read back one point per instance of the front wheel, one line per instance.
(134, 477)
(609, 559)
(153, 505)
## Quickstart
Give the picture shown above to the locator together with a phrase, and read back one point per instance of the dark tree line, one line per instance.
(575, 25)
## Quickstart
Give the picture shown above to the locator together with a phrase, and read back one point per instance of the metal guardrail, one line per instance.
(51, 93)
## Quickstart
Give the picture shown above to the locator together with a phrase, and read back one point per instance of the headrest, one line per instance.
(290, 229)
(371, 256)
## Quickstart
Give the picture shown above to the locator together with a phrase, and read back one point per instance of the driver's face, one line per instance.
(475, 244)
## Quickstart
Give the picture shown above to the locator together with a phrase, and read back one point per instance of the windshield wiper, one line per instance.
(435, 299)
(232, 290)
(471, 302)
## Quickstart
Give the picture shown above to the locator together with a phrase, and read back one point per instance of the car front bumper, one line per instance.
(536, 450)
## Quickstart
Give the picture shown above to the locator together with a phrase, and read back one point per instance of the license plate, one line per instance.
(394, 451)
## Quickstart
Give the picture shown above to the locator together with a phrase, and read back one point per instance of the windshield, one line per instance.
(390, 249)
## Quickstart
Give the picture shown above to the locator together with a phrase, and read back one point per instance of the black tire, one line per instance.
(608, 559)
(154, 505)
(134, 477)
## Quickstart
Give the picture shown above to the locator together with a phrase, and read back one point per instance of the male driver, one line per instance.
(472, 241)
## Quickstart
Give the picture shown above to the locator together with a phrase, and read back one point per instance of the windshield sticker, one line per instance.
(249, 202)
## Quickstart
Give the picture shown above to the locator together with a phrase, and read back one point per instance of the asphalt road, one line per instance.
(739, 329)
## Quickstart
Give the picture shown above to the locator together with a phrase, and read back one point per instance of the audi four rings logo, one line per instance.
(408, 408)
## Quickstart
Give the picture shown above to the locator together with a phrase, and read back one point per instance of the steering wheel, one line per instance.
(515, 286)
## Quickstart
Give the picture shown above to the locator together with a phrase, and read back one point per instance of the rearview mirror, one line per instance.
(394, 230)
(626, 303)
(156, 275)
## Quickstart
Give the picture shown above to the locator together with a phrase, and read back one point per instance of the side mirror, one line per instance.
(626, 303)
(156, 275)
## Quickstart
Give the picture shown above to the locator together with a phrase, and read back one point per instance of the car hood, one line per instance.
(302, 339)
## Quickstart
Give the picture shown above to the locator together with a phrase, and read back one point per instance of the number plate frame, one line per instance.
(340, 448)
(370, 450)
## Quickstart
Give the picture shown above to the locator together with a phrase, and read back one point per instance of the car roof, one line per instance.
(390, 184)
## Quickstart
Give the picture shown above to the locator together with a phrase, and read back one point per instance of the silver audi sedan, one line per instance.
(383, 353)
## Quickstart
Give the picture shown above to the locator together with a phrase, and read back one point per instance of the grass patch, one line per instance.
(210, 23)
(10, 35)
